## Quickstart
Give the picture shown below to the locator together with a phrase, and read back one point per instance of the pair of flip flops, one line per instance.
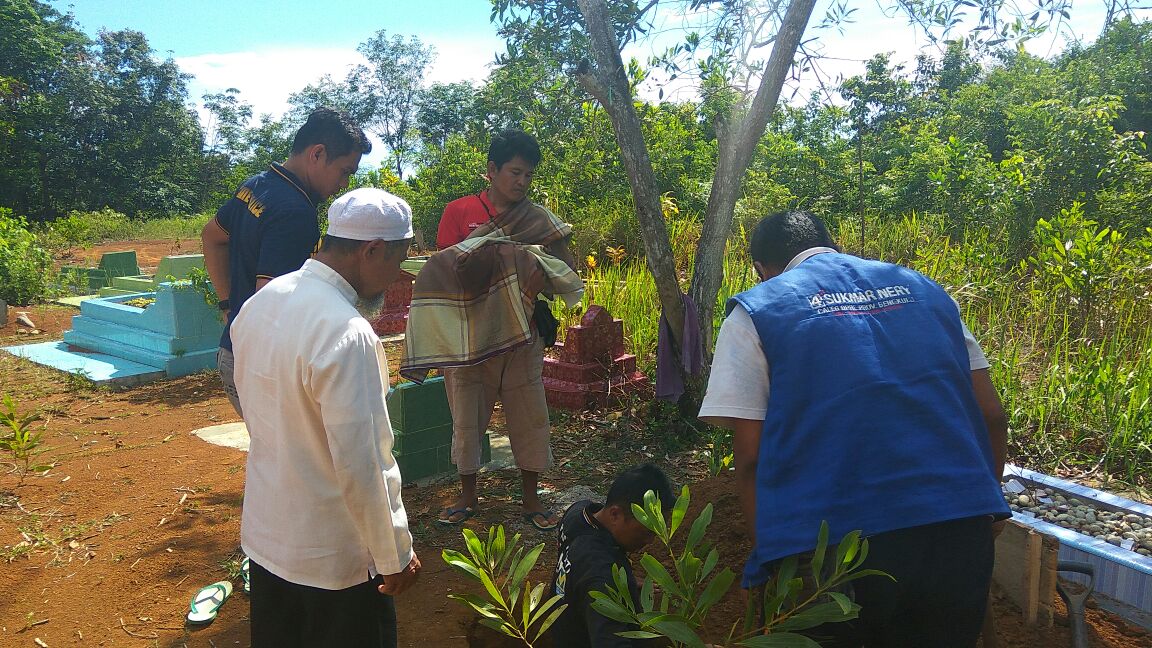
(208, 601)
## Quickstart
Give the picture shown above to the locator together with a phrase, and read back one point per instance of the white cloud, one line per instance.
(266, 79)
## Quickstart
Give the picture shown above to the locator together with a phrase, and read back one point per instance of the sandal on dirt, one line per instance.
(244, 575)
(208, 601)
(447, 514)
(541, 520)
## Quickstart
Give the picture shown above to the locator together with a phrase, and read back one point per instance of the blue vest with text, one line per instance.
(872, 421)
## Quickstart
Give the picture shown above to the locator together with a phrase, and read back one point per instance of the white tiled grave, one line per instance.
(1123, 579)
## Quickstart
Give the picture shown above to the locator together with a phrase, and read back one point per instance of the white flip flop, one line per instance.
(208, 601)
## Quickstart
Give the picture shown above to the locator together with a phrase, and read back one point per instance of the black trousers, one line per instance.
(939, 597)
(288, 615)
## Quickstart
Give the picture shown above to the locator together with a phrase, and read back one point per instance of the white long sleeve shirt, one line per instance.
(322, 500)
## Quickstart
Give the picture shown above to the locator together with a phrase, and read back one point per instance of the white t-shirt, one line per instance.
(738, 386)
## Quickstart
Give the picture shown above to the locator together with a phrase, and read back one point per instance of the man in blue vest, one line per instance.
(881, 417)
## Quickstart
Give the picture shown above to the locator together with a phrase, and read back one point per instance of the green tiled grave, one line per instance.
(170, 268)
(422, 423)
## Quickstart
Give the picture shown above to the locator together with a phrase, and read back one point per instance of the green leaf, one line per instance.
(658, 573)
(551, 618)
(461, 563)
(818, 614)
(698, 528)
(493, 590)
(638, 634)
(709, 563)
(818, 552)
(482, 607)
(679, 631)
(646, 594)
(713, 592)
(785, 574)
(520, 570)
(543, 608)
(611, 609)
(680, 509)
(844, 602)
(848, 548)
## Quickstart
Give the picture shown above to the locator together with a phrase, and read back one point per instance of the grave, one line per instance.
(112, 342)
(112, 265)
(1123, 578)
(422, 425)
(171, 268)
(590, 368)
(393, 317)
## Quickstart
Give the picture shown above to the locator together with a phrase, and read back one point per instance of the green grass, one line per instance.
(1068, 332)
(90, 228)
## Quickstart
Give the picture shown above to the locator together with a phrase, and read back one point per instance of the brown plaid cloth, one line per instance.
(474, 300)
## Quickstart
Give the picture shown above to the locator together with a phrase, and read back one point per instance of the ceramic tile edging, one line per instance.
(1083, 542)
(1123, 577)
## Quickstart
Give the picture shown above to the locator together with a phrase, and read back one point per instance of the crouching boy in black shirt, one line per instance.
(593, 538)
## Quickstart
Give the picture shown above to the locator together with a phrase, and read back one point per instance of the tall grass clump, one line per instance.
(84, 228)
(1067, 330)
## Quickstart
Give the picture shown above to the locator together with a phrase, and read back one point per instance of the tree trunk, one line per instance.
(607, 81)
(736, 147)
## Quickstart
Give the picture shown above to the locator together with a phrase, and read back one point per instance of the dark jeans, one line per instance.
(287, 615)
(938, 599)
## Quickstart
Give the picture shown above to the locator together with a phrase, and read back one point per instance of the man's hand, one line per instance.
(396, 583)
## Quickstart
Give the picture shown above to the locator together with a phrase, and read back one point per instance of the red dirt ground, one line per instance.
(136, 514)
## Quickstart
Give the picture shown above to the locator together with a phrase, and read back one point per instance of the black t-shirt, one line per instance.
(584, 563)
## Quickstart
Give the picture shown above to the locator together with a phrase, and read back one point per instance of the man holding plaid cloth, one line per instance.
(472, 318)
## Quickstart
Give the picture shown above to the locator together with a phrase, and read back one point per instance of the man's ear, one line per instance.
(317, 153)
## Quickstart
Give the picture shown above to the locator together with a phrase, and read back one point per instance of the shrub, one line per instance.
(674, 603)
(24, 265)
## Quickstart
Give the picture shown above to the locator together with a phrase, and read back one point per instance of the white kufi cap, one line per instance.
(368, 214)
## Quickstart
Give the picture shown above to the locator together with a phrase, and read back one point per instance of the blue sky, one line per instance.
(268, 49)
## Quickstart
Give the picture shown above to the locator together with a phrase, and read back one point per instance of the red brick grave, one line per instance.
(393, 316)
(590, 368)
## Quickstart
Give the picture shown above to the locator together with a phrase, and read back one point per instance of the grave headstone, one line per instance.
(590, 368)
(119, 264)
(175, 267)
(393, 317)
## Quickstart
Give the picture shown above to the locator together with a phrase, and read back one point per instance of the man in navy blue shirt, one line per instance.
(269, 227)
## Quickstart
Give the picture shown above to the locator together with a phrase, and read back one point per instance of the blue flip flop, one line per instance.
(207, 602)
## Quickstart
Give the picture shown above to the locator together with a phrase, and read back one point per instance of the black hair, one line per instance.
(509, 143)
(335, 130)
(630, 486)
(780, 237)
(339, 246)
